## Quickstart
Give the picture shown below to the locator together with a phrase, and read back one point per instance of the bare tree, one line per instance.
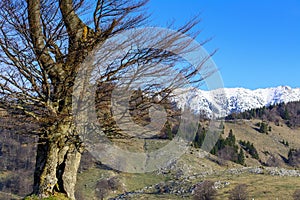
(103, 187)
(205, 191)
(239, 192)
(43, 45)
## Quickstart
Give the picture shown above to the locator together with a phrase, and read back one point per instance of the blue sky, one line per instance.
(258, 40)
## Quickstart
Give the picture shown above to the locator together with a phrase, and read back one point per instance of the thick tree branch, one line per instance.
(72, 22)
(36, 32)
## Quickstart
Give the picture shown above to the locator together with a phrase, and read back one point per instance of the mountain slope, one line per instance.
(176, 181)
(283, 113)
(224, 101)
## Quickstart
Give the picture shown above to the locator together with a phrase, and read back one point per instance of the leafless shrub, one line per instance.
(239, 192)
(273, 161)
(205, 191)
(294, 157)
(296, 194)
(105, 185)
(227, 153)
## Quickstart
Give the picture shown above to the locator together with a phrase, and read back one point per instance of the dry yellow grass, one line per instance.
(261, 187)
(264, 187)
(271, 142)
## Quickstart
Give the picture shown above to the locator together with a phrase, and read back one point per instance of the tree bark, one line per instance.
(57, 161)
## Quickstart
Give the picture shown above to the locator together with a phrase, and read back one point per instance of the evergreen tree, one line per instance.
(241, 157)
(263, 127)
(286, 114)
(199, 138)
(214, 150)
(253, 152)
(226, 148)
(222, 126)
(168, 132)
(230, 140)
(287, 143)
(221, 143)
(249, 147)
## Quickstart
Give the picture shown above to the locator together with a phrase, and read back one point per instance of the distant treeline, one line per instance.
(281, 113)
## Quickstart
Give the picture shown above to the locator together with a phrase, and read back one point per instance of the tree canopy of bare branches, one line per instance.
(43, 44)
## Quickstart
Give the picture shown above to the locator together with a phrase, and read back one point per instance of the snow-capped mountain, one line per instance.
(221, 102)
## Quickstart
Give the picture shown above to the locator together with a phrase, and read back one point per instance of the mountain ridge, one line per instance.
(224, 101)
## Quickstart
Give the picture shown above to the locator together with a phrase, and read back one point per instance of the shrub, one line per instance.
(249, 147)
(205, 191)
(273, 161)
(105, 185)
(263, 127)
(294, 157)
(226, 149)
(19, 183)
(228, 153)
(241, 157)
(239, 192)
(296, 195)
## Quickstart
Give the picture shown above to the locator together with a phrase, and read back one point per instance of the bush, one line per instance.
(249, 147)
(105, 185)
(241, 157)
(19, 183)
(296, 195)
(294, 157)
(273, 161)
(205, 191)
(226, 149)
(228, 153)
(263, 127)
(239, 192)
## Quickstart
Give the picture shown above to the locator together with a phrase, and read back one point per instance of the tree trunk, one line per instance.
(57, 161)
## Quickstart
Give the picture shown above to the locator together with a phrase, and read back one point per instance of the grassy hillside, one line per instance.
(268, 144)
(277, 180)
(263, 182)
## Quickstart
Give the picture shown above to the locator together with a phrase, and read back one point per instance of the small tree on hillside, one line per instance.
(239, 192)
(230, 140)
(168, 131)
(294, 157)
(205, 191)
(105, 185)
(228, 153)
(286, 114)
(263, 127)
(200, 136)
(241, 157)
(296, 194)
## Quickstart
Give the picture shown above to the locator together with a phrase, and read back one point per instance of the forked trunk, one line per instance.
(57, 161)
